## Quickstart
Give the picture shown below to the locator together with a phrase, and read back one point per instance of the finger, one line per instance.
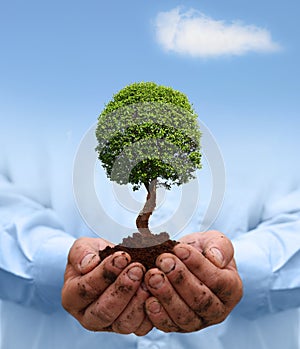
(80, 291)
(179, 312)
(112, 302)
(84, 254)
(224, 283)
(159, 317)
(218, 248)
(133, 315)
(194, 292)
(145, 327)
(214, 245)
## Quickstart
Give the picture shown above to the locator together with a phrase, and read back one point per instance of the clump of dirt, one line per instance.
(143, 249)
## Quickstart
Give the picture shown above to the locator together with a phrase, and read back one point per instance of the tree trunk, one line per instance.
(142, 221)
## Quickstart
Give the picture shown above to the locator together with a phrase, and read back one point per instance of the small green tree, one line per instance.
(149, 135)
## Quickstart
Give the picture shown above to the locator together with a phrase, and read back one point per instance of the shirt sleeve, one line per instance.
(268, 259)
(33, 251)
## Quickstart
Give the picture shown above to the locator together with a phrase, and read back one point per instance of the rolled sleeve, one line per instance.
(34, 249)
(268, 260)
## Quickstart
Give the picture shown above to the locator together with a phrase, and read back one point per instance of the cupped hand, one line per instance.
(105, 295)
(195, 288)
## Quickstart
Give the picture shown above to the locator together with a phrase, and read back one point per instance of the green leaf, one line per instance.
(149, 131)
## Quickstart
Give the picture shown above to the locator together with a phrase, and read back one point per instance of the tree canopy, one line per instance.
(149, 132)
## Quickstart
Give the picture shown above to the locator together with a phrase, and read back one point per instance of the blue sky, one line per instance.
(64, 59)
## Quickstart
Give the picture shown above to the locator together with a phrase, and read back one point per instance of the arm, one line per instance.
(268, 259)
(34, 251)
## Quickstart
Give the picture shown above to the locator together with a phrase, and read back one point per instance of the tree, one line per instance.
(149, 135)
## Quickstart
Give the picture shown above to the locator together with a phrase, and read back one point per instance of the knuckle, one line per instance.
(102, 313)
(144, 331)
(207, 303)
(122, 327)
(239, 288)
(234, 285)
(187, 323)
(215, 281)
(166, 325)
(66, 301)
(217, 314)
(117, 328)
(221, 317)
(88, 325)
(229, 288)
(85, 291)
(203, 302)
(214, 320)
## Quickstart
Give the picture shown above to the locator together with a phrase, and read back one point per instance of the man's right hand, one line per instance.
(105, 295)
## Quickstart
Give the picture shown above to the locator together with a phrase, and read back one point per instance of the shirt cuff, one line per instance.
(49, 266)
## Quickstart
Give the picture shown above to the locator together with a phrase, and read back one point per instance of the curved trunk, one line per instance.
(142, 221)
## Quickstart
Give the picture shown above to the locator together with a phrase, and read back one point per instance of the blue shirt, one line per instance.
(40, 220)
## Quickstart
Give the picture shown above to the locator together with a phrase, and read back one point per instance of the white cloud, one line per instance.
(195, 34)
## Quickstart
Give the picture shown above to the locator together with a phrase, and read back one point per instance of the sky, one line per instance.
(235, 59)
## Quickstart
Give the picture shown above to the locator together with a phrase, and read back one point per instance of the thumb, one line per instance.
(217, 248)
(84, 254)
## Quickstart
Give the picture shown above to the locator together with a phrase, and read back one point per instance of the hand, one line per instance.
(105, 295)
(195, 288)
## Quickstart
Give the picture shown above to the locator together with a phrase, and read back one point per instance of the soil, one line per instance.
(143, 249)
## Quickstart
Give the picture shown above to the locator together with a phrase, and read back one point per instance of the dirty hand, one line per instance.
(195, 288)
(105, 295)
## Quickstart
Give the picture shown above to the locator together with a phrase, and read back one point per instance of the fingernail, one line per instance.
(135, 273)
(167, 265)
(86, 260)
(182, 252)
(120, 261)
(218, 256)
(154, 307)
(156, 280)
